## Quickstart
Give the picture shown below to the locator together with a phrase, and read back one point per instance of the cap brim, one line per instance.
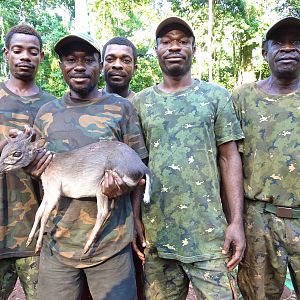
(73, 38)
(170, 21)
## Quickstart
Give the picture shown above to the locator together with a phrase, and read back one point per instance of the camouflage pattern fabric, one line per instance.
(271, 149)
(24, 268)
(19, 201)
(68, 124)
(169, 279)
(271, 158)
(272, 245)
(184, 219)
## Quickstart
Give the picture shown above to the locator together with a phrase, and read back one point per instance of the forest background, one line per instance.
(228, 34)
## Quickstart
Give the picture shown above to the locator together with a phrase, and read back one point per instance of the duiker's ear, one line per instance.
(40, 143)
(37, 144)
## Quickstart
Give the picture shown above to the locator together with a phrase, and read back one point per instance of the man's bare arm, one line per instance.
(232, 185)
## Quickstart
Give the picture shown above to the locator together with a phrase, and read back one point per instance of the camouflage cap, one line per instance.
(76, 37)
(173, 23)
(285, 22)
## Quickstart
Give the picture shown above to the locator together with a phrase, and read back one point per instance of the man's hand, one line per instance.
(113, 186)
(40, 163)
(139, 241)
(234, 244)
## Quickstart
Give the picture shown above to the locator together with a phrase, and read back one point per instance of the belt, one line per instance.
(283, 212)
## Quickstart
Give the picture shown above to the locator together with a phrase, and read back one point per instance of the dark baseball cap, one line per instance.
(285, 22)
(76, 37)
(171, 23)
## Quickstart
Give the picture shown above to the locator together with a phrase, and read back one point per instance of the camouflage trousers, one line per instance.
(26, 269)
(273, 244)
(167, 279)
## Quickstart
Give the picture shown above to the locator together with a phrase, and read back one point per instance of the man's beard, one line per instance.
(84, 91)
(176, 70)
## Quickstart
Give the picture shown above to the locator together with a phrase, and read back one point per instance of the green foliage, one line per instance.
(40, 15)
(238, 28)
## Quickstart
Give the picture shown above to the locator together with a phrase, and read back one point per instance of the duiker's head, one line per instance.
(18, 152)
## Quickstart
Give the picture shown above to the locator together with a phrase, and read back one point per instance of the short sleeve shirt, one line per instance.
(184, 219)
(19, 193)
(68, 124)
(271, 148)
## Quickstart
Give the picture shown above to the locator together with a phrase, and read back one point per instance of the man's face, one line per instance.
(175, 51)
(80, 67)
(23, 56)
(118, 66)
(282, 52)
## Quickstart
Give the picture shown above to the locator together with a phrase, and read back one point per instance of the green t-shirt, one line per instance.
(271, 148)
(184, 219)
(68, 124)
(19, 193)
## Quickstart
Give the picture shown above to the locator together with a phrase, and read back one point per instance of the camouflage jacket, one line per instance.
(185, 220)
(271, 148)
(68, 124)
(19, 193)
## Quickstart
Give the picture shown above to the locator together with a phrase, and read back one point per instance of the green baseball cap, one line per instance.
(76, 37)
(171, 23)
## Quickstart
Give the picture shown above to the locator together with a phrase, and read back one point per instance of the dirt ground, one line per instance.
(18, 294)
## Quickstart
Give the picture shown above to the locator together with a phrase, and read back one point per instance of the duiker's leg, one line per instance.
(102, 212)
(37, 219)
(51, 200)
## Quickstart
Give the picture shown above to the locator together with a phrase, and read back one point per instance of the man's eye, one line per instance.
(89, 60)
(109, 59)
(296, 42)
(127, 61)
(17, 154)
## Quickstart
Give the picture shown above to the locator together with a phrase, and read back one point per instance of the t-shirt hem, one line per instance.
(190, 259)
(18, 254)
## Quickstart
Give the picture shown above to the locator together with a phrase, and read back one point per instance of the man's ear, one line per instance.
(264, 53)
(135, 68)
(42, 56)
(194, 49)
(5, 53)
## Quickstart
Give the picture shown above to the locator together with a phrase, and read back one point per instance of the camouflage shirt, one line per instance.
(184, 219)
(68, 124)
(271, 149)
(19, 193)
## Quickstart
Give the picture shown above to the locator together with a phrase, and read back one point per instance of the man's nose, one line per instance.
(80, 65)
(117, 64)
(174, 46)
(25, 55)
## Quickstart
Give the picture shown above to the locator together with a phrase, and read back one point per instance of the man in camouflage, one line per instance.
(83, 116)
(190, 128)
(20, 100)
(119, 64)
(269, 111)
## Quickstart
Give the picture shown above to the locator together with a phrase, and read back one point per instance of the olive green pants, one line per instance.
(273, 244)
(26, 269)
(167, 279)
